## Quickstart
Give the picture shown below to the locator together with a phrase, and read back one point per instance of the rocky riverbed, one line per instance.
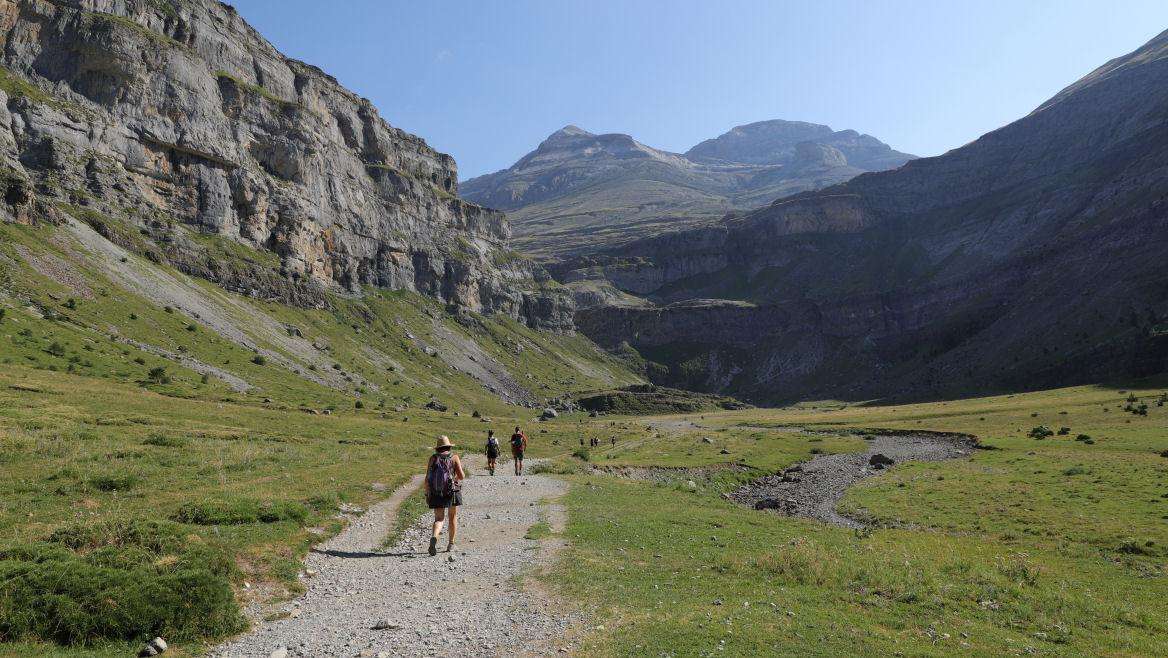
(813, 488)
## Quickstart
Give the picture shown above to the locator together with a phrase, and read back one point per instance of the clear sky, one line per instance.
(487, 80)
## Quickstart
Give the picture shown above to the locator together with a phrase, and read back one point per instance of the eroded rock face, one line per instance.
(179, 118)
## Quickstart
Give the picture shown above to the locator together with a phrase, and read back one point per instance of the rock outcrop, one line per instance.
(163, 122)
(1032, 257)
(579, 193)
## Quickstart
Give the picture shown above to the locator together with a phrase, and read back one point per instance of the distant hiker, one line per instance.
(492, 450)
(614, 441)
(581, 442)
(518, 447)
(444, 477)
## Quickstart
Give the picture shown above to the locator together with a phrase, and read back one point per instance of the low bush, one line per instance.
(1040, 432)
(555, 467)
(164, 441)
(114, 482)
(582, 454)
(238, 511)
(119, 581)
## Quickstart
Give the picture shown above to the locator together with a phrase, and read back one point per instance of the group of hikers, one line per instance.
(595, 442)
(444, 476)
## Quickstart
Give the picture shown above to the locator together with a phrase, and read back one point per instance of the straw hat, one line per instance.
(443, 442)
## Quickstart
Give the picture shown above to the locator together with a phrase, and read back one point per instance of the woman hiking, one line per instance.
(492, 451)
(443, 484)
(518, 446)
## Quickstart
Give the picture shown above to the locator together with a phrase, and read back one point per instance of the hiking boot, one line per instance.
(433, 546)
(450, 548)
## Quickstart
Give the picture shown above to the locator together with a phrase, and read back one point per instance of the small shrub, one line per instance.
(1085, 438)
(1075, 470)
(112, 482)
(239, 511)
(56, 349)
(121, 581)
(70, 304)
(359, 405)
(157, 375)
(556, 467)
(1063, 431)
(582, 454)
(140, 361)
(259, 360)
(192, 328)
(1130, 546)
(1040, 432)
(164, 441)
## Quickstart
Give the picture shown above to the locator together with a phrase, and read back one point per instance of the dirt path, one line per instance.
(813, 488)
(471, 605)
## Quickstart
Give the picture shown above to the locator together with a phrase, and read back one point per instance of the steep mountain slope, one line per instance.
(167, 116)
(1031, 257)
(579, 192)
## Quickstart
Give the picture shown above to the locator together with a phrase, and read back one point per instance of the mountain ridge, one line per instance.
(578, 191)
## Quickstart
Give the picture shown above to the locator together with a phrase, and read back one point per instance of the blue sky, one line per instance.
(487, 80)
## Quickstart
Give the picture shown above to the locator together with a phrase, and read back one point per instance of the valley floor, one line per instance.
(1028, 546)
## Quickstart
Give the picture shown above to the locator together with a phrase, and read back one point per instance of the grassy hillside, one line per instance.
(1051, 546)
(169, 448)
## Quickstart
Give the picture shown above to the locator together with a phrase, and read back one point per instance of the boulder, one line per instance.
(880, 460)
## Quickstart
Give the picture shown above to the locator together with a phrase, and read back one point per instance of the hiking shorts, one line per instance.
(517, 455)
(492, 453)
(442, 502)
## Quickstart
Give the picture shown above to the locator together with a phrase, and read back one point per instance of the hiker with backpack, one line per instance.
(443, 486)
(518, 447)
(492, 451)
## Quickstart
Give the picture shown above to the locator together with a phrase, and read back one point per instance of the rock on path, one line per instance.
(422, 605)
(813, 488)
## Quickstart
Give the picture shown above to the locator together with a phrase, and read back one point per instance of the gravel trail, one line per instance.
(813, 488)
(474, 605)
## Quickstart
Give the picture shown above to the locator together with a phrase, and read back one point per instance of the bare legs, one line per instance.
(453, 527)
(439, 517)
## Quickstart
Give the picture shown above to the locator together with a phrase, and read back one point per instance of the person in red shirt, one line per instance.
(518, 447)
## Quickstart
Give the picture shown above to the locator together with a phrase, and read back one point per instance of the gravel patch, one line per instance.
(812, 489)
(363, 600)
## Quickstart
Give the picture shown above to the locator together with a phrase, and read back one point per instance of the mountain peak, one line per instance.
(570, 130)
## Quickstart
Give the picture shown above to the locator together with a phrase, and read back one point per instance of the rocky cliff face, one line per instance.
(1032, 257)
(578, 193)
(163, 121)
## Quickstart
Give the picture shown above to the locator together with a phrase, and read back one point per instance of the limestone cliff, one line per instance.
(163, 121)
